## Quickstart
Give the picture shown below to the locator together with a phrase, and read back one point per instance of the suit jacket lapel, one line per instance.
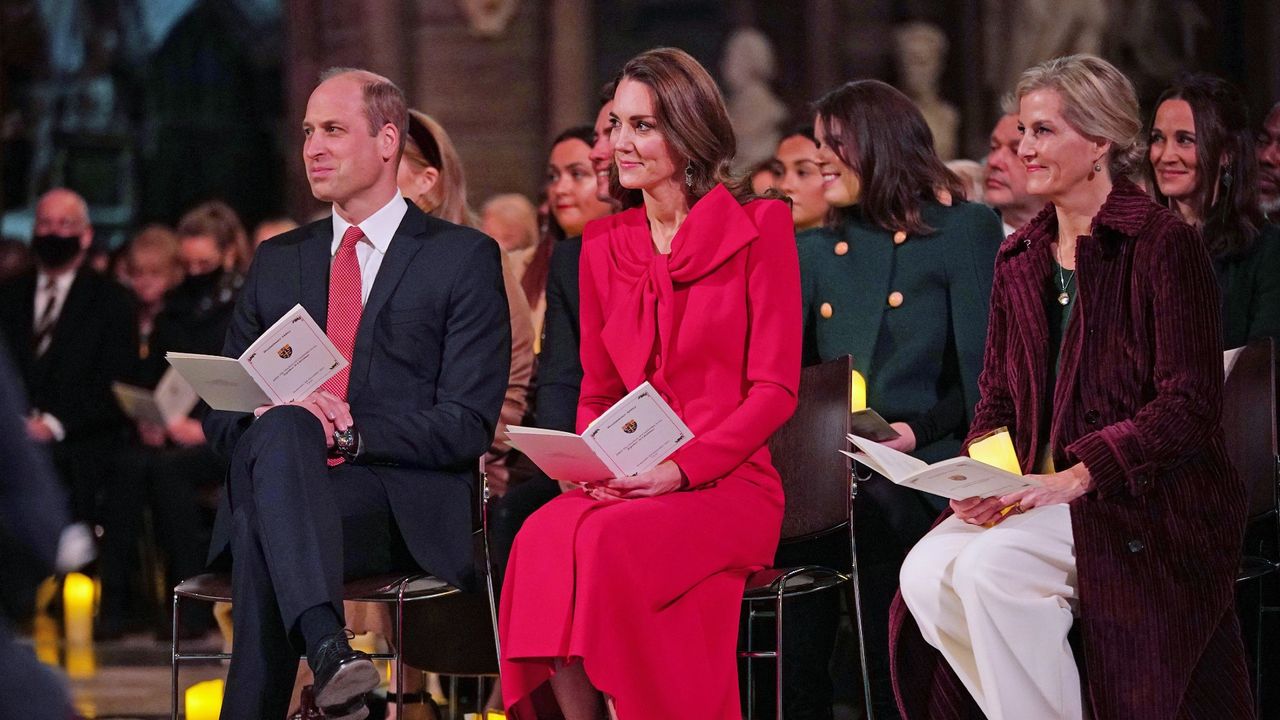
(75, 309)
(313, 264)
(404, 245)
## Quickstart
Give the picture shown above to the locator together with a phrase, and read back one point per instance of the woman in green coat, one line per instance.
(899, 280)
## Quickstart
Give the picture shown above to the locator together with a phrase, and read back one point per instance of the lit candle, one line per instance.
(77, 608)
(80, 661)
(204, 700)
(996, 449)
(857, 392)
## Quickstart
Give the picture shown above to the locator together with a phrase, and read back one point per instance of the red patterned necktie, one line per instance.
(345, 307)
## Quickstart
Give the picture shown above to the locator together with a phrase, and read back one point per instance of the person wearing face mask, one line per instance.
(71, 333)
(899, 282)
(1203, 165)
(169, 467)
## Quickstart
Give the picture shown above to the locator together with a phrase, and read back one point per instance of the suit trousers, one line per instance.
(299, 530)
(997, 604)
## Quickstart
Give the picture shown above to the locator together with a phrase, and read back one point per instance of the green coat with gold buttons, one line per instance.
(911, 310)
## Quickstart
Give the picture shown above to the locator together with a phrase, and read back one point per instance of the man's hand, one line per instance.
(310, 407)
(663, 479)
(333, 408)
(37, 430)
(151, 434)
(187, 432)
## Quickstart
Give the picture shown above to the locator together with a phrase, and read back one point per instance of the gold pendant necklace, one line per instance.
(1064, 298)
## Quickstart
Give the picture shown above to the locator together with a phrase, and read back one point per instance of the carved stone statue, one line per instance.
(489, 18)
(756, 113)
(1022, 33)
(921, 50)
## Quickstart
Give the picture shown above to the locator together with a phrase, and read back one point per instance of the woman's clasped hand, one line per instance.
(663, 479)
(1055, 488)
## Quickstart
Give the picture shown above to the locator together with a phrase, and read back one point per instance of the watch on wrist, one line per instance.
(346, 442)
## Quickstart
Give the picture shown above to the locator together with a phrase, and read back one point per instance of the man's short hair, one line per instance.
(384, 101)
(1009, 104)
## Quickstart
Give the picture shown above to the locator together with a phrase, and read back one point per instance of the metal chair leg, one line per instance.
(751, 674)
(777, 649)
(857, 605)
(398, 651)
(453, 696)
(173, 660)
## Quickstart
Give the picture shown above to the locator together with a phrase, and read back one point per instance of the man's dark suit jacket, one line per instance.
(33, 507)
(94, 343)
(559, 368)
(427, 378)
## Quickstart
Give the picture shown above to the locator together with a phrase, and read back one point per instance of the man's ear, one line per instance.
(389, 139)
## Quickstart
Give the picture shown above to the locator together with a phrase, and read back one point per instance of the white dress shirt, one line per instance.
(61, 286)
(58, 290)
(378, 230)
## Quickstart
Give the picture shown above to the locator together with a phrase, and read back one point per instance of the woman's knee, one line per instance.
(983, 567)
(921, 574)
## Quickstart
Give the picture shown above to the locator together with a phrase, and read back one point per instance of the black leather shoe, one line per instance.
(343, 677)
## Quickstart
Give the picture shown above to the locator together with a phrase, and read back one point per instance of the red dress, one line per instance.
(647, 592)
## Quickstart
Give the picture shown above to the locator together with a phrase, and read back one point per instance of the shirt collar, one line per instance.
(378, 228)
(62, 282)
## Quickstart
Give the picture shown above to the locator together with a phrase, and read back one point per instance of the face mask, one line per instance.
(203, 282)
(55, 251)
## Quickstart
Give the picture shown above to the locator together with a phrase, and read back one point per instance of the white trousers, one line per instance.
(997, 604)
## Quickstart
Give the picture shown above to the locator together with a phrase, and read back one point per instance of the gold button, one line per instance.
(842, 248)
(895, 299)
(899, 237)
(825, 310)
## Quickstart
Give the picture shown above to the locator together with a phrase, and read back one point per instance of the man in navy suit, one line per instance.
(33, 513)
(375, 472)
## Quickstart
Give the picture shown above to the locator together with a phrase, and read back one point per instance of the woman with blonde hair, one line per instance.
(431, 173)
(1103, 361)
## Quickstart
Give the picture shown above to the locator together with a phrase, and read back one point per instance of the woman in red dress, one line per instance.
(626, 594)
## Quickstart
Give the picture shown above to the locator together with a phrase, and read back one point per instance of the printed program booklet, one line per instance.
(957, 478)
(286, 363)
(173, 399)
(636, 434)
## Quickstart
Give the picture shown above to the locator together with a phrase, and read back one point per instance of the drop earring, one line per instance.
(688, 175)
(1097, 167)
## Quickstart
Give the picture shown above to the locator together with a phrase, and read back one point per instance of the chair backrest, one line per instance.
(815, 477)
(457, 634)
(1249, 422)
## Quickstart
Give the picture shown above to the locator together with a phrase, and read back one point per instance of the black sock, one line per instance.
(317, 624)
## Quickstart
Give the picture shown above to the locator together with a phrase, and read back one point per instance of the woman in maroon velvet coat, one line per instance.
(1111, 388)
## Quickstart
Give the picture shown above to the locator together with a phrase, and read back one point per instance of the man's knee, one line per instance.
(284, 422)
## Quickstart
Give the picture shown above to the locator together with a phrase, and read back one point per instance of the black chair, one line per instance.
(820, 492)
(1249, 423)
(403, 590)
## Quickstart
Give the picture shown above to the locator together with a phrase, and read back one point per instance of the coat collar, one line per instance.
(716, 228)
(1123, 214)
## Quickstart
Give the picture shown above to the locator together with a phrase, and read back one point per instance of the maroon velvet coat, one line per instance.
(1158, 537)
